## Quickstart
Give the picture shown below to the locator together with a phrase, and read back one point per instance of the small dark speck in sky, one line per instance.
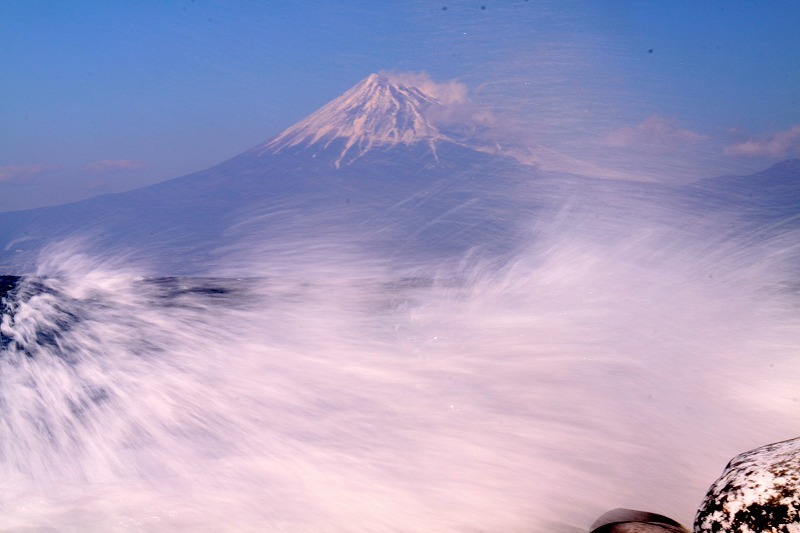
(650, 51)
(444, 8)
(483, 7)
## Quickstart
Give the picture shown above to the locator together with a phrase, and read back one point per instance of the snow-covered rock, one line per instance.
(758, 492)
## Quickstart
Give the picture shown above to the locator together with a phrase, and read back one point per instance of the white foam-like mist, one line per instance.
(612, 361)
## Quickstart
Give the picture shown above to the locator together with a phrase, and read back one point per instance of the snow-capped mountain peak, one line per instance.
(375, 112)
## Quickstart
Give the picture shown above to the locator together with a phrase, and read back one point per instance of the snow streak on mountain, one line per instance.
(376, 112)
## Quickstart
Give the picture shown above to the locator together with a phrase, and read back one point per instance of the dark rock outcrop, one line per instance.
(630, 521)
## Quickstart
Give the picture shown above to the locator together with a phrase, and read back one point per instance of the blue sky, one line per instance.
(101, 96)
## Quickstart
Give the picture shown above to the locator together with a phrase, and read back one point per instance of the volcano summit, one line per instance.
(373, 113)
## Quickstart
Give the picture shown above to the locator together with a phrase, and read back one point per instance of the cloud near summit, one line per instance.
(450, 92)
(459, 116)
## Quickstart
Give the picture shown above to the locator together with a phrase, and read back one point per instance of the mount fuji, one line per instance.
(370, 168)
(375, 113)
(369, 165)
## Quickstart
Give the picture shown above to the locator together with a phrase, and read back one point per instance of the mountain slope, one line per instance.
(367, 170)
(773, 193)
(368, 166)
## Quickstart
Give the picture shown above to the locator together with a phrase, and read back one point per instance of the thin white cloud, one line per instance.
(12, 173)
(459, 116)
(779, 144)
(657, 132)
(111, 165)
(450, 92)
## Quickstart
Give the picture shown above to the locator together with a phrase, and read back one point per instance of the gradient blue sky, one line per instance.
(106, 96)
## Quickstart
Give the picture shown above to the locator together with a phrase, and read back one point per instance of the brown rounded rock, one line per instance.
(631, 521)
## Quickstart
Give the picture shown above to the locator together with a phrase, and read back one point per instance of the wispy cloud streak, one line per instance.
(656, 131)
(111, 165)
(12, 173)
(779, 144)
